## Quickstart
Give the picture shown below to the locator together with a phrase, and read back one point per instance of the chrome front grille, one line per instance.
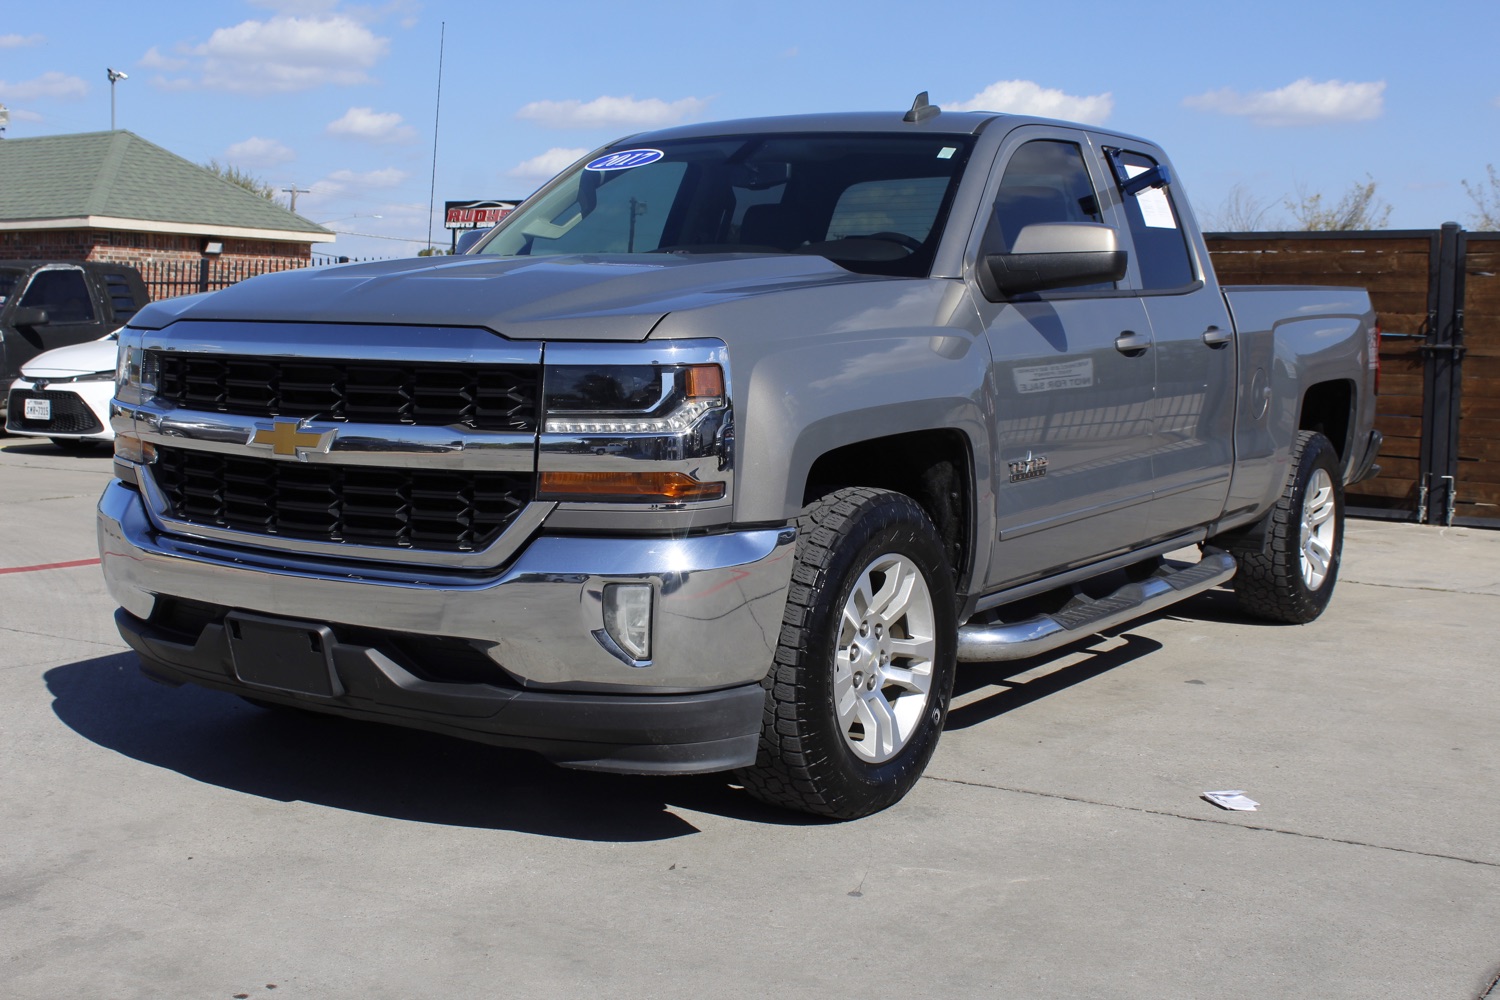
(439, 510)
(488, 397)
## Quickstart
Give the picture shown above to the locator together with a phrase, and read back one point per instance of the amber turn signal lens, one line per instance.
(705, 381)
(131, 448)
(660, 486)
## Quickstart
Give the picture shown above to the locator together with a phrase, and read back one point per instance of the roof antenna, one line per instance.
(921, 110)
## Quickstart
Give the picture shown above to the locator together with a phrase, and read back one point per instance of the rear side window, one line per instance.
(1161, 251)
(121, 295)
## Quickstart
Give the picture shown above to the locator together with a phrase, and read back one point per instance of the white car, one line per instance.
(64, 395)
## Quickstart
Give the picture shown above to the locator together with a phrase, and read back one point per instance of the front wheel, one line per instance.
(1289, 576)
(863, 672)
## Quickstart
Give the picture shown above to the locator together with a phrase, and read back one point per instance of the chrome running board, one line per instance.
(1085, 616)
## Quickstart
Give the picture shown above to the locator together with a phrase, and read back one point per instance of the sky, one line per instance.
(1269, 101)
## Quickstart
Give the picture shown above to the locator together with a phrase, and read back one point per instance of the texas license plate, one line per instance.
(37, 409)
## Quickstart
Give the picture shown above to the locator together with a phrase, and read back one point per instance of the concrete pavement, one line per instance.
(161, 842)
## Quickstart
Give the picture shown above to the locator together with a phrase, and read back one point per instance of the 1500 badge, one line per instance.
(1030, 467)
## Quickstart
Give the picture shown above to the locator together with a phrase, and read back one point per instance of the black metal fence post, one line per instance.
(1442, 379)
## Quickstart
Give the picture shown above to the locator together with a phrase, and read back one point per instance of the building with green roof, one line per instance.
(113, 196)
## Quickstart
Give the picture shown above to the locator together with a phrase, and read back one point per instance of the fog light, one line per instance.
(627, 617)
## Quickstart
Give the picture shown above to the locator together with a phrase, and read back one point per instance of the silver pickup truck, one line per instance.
(723, 450)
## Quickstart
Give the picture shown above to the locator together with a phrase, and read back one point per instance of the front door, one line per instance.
(1072, 381)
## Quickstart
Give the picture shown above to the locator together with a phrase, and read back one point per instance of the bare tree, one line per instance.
(1359, 208)
(1486, 196)
(1241, 212)
(242, 178)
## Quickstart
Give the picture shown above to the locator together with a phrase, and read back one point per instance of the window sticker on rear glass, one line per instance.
(624, 159)
(1156, 211)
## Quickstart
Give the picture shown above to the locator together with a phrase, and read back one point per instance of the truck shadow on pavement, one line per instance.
(1018, 694)
(403, 774)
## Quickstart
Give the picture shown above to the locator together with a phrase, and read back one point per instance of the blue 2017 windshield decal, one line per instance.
(624, 159)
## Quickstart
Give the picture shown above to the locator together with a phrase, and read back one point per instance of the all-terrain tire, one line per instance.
(859, 688)
(1290, 574)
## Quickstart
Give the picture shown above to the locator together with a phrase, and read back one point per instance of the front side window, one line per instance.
(1045, 181)
(63, 294)
(875, 204)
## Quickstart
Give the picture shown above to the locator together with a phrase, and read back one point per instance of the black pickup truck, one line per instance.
(46, 304)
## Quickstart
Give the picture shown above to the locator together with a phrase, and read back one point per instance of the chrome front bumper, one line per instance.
(718, 598)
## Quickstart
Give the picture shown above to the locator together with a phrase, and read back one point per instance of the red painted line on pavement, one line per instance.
(61, 565)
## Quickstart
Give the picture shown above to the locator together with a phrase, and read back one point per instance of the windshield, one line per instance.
(871, 203)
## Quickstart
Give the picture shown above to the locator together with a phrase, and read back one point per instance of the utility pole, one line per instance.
(114, 75)
(294, 191)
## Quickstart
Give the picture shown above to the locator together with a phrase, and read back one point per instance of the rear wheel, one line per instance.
(856, 698)
(1290, 576)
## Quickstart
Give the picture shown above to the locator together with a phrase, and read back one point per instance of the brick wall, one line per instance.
(144, 249)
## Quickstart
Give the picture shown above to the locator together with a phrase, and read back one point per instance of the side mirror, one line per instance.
(469, 237)
(1054, 255)
(29, 316)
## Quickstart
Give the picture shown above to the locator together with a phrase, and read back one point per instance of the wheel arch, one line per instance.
(935, 467)
(1329, 409)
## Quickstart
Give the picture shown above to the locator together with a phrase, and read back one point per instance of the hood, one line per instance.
(593, 297)
(75, 359)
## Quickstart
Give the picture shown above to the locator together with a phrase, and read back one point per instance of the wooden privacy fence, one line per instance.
(1438, 300)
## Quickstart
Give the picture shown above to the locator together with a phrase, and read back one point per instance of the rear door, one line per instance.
(1072, 376)
(1192, 339)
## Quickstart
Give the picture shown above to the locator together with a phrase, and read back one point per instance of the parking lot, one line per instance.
(160, 842)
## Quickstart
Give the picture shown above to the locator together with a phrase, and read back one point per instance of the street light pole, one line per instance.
(114, 75)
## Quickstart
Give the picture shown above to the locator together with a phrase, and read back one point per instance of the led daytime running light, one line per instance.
(676, 422)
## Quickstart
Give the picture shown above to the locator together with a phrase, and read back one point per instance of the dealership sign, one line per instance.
(476, 214)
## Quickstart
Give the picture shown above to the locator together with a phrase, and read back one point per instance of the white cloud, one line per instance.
(548, 165)
(372, 126)
(612, 112)
(258, 152)
(342, 182)
(22, 115)
(1304, 102)
(20, 41)
(1024, 97)
(283, 54)
(55, 85)
(153, 59)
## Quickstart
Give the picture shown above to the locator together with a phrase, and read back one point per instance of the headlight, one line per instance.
(643, 423)
(638, 399)
(135, 373)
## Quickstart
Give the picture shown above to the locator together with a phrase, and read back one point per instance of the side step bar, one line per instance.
(1084, 616)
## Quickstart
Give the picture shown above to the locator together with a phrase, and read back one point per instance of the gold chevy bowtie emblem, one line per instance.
(285, 438)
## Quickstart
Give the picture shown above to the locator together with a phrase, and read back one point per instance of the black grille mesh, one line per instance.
(70, 414)
(480, 397)
(392, 508)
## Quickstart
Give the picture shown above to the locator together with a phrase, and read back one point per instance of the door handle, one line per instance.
(1214, 337)
(1131, 343)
